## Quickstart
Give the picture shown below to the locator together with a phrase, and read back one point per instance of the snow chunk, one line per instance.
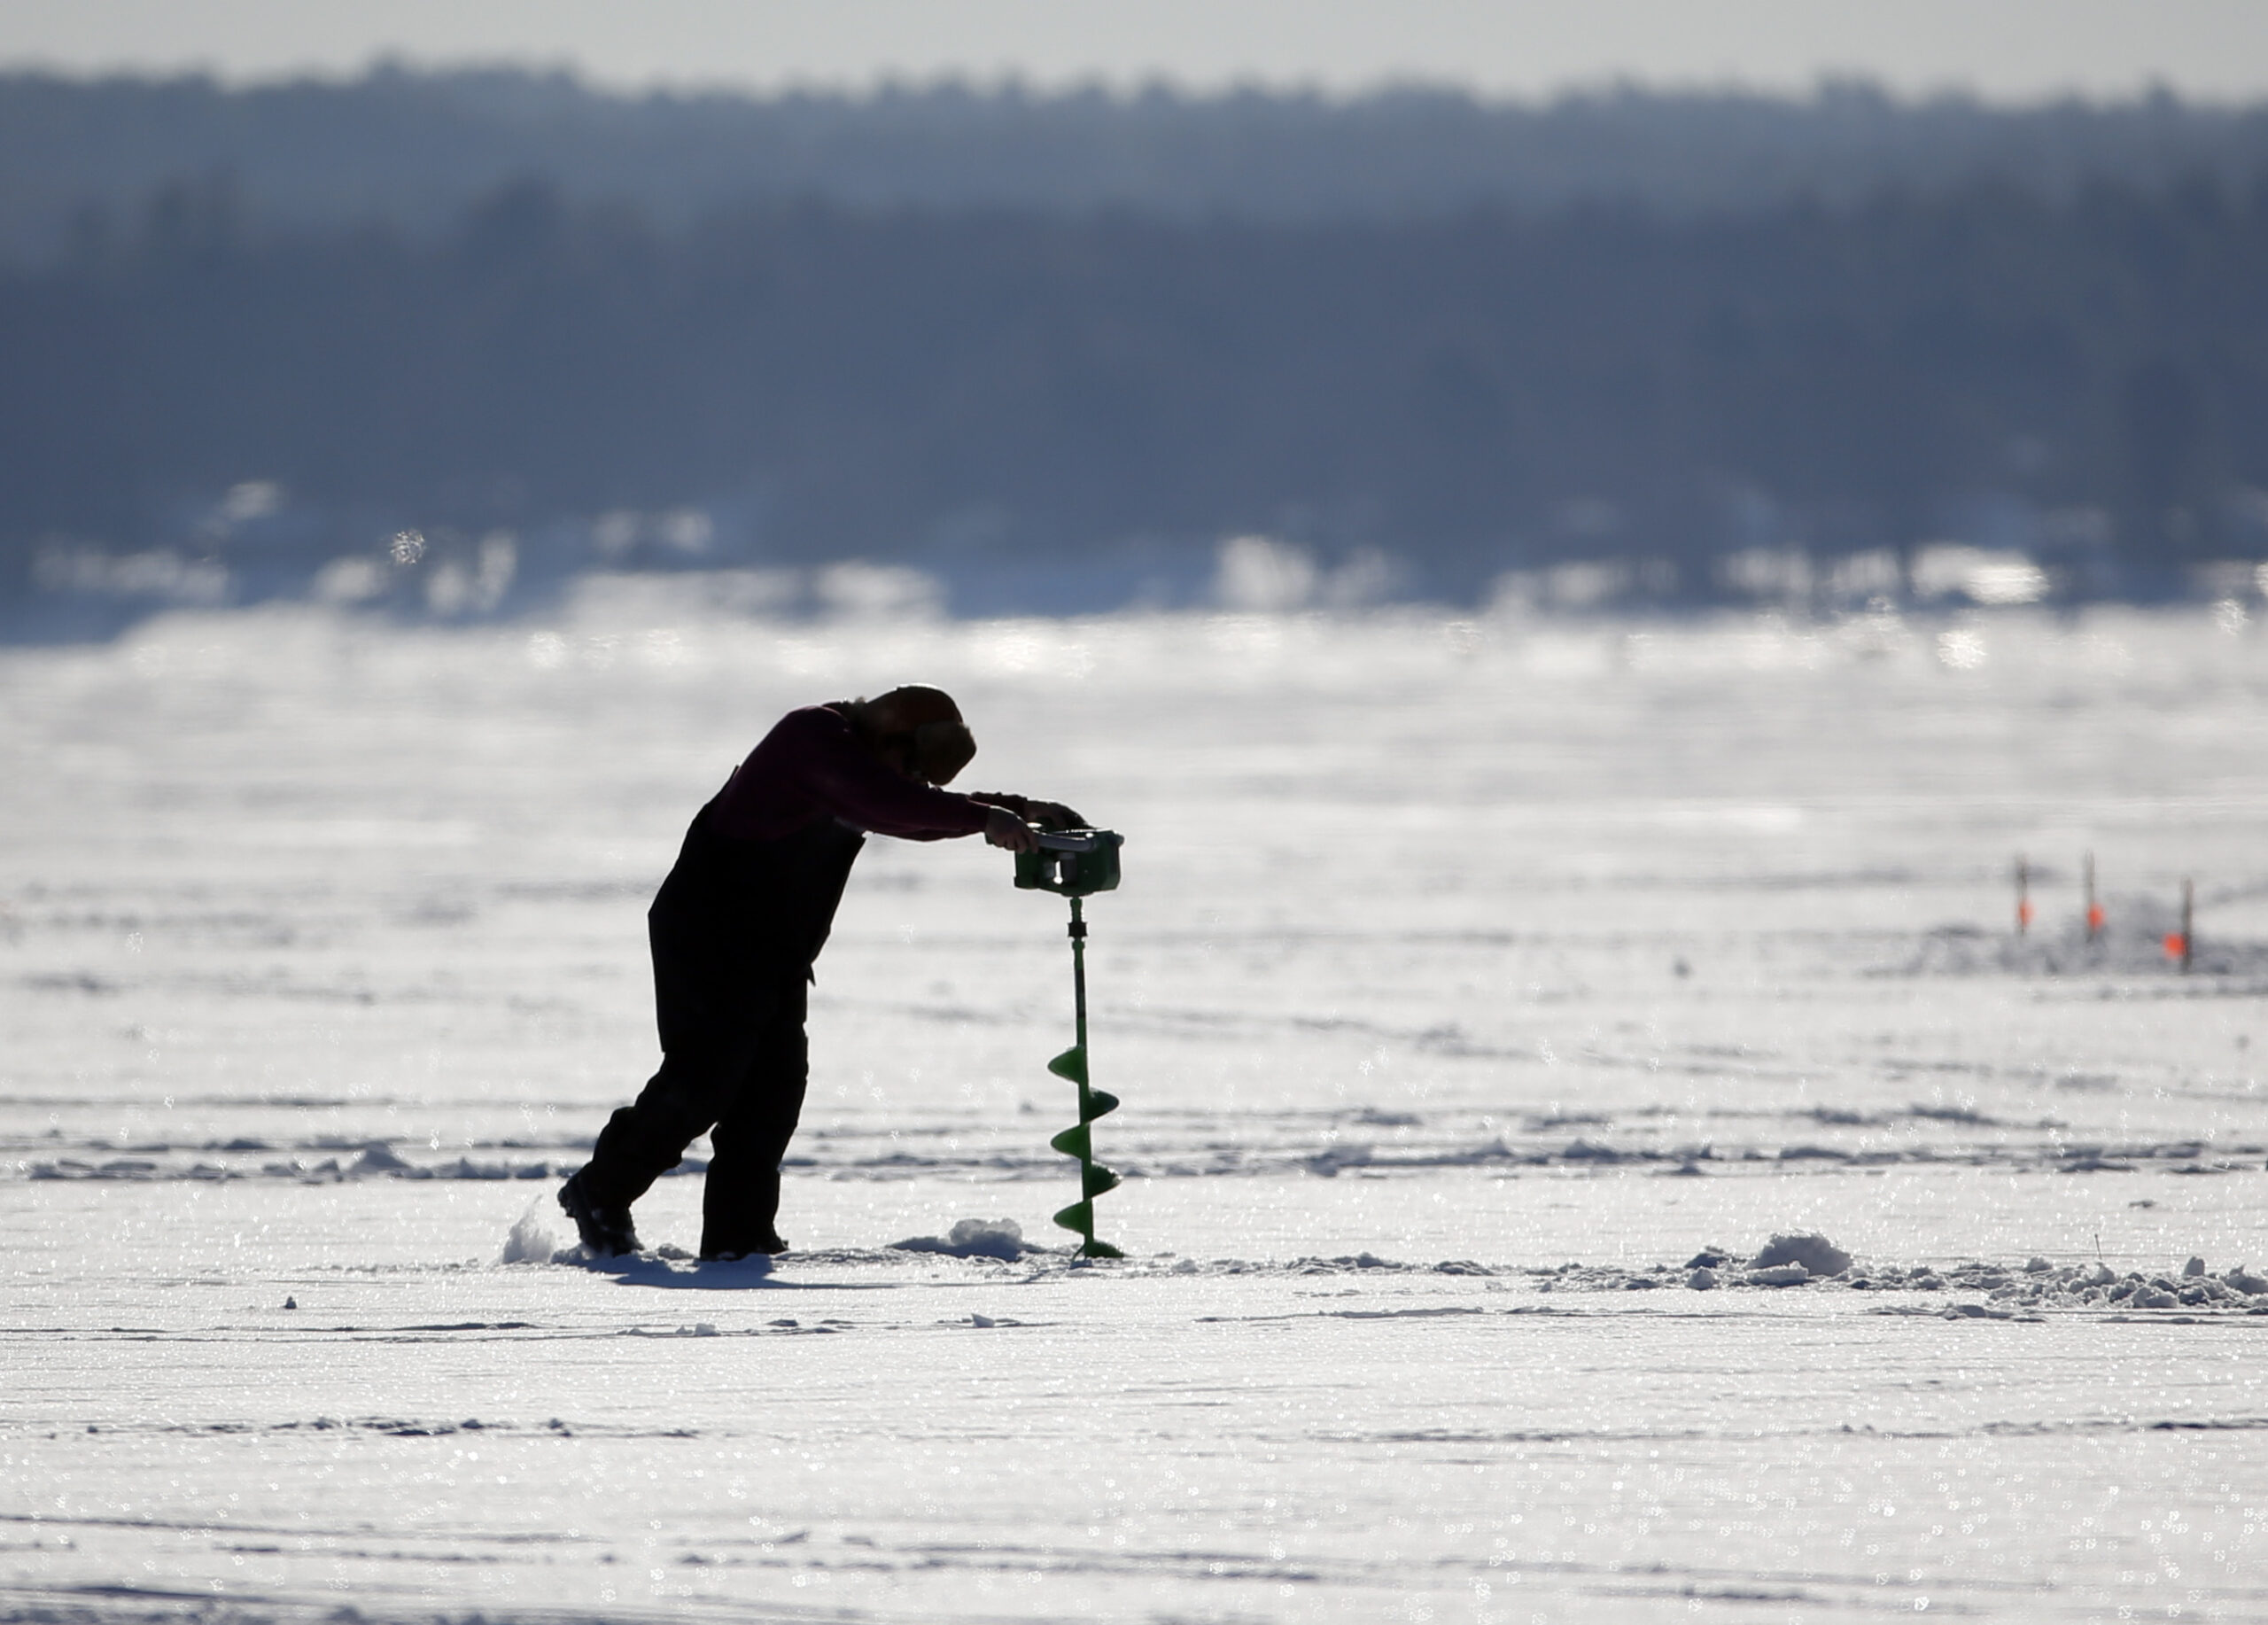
(1779, 1275)
(530, 1240)
(1815, 1253)
(974, 1238)
(377, 1158)
(1593, 1151)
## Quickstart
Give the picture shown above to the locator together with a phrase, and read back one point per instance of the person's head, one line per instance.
(918, 731)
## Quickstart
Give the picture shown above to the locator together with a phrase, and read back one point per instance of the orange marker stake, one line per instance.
(2024, 896)
(2094, 909)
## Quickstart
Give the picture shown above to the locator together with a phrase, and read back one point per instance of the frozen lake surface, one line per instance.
(1470, 980)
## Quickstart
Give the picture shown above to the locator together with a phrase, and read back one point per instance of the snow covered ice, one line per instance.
(1477, 989)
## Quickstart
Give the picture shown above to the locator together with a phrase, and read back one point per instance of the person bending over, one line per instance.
(734, 930)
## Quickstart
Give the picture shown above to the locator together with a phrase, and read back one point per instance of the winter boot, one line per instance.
(606, 1232)
(765, 1242)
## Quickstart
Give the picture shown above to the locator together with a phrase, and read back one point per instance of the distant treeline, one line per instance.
(409, 149)
(1469, 392)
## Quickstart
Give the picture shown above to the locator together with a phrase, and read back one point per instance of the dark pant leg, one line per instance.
(740, 1200)
(714, 1010)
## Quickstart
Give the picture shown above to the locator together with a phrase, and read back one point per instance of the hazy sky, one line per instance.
(2004, 49)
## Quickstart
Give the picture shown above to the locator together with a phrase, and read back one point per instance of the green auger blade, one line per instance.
(1099, 1249)
(1075, 1142)
(1072, 1063)
(1080, 1216)
(1097, 1103)
(1094, 1179)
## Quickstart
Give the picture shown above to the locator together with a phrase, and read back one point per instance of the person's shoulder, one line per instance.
(814, 721)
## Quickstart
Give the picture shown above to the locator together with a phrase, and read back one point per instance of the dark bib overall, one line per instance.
(733, 931)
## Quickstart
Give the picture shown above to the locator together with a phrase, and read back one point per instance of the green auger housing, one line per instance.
(1072, 863)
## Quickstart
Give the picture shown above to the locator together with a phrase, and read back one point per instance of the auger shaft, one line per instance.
(1094, 1179)
(1078, 929)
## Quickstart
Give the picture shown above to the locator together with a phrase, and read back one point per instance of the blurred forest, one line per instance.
(1054, 350)
(412, 150)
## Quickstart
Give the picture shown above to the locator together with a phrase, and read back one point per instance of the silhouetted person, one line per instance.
(734, 930)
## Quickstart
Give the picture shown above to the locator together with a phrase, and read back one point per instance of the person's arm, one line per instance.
(843, 777)
(832, 768)
(836, 770)
(1047, 814)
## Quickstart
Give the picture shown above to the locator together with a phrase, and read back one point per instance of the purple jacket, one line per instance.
(810, 765)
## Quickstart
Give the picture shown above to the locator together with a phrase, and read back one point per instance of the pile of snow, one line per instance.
(2042, 1285)
(1791, 1259)
(974, 1238)
(531, 1241)
(1812, 1252)
(1798, 1260)
(1778, 1275)
(378, 1157)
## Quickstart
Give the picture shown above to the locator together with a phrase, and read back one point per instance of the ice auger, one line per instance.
(1077, 863)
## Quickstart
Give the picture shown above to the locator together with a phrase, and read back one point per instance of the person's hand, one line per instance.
(1003, 829)
(1055, 815)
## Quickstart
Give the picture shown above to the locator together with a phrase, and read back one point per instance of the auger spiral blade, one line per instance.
(1078, 1141)
(1080, 1217)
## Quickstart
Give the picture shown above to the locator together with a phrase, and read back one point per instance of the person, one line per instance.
(734, 930)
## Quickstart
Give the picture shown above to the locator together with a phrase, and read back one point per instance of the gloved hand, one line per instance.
(1004, 828)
